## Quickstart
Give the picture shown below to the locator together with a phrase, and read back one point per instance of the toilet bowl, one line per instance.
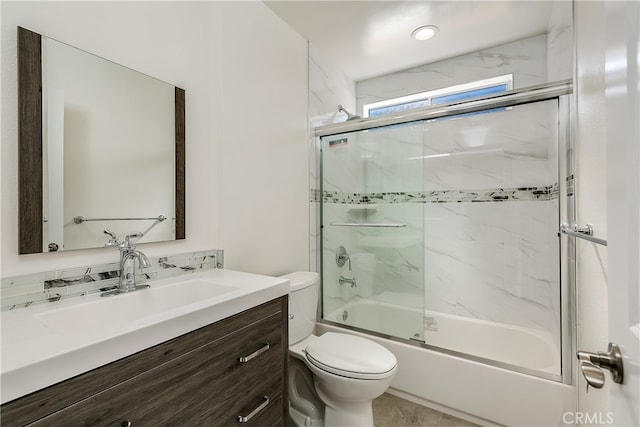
(348, 371)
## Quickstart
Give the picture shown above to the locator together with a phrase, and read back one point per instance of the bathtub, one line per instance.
(477, 387)
(527, 349)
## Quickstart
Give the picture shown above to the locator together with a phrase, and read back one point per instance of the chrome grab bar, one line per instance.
(367, 224)
(245, 419)
(585, 233)
(245, 359)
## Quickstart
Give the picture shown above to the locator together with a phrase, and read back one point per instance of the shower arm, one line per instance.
(350, 116)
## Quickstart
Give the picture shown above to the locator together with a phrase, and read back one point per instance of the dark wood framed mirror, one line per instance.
(72, 190)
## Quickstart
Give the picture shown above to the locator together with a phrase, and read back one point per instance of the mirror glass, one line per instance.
(108, 149)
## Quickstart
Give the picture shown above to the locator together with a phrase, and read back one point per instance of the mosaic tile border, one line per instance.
(441, 196)
(22, 291)
(570, 185)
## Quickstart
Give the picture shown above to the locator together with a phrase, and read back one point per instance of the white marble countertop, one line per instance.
(48, 343)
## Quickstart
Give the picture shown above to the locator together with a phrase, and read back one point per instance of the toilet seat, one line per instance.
(350, 356)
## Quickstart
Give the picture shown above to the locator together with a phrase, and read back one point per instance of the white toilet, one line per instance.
(348, 371)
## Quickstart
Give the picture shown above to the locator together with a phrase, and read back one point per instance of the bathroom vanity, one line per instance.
(230, 371)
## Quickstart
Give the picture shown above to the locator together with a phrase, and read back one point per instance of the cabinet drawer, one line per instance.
(208, 386)
(57, 397)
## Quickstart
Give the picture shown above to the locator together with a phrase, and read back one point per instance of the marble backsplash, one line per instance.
(24, 290)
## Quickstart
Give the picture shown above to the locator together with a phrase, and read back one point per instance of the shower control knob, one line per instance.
(342, 257)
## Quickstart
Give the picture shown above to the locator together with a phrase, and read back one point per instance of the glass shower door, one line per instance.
(492, 271)
(372, 230)
(446, 232)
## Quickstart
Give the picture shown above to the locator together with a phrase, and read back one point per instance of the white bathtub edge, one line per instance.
(472, 388)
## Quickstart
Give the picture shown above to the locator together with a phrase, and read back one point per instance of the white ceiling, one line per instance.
(372, 38)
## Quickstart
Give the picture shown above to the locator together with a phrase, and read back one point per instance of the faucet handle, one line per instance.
(127, 243)
(113, 241)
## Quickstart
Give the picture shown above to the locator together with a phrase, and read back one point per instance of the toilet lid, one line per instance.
(350, 356)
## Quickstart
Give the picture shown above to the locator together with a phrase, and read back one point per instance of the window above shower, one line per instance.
(517, 64)
(461, 92)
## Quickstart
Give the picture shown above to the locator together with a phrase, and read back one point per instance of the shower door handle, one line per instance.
(591, 365)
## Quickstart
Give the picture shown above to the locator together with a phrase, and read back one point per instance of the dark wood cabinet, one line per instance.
(196, 379)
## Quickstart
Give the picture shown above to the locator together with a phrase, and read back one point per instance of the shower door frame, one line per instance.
(566, 211)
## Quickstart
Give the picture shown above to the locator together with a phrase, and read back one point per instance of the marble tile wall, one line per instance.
(494, 261)
(22, 291)
(560, 52)
(526, 59)
(329, 86)
(505, 149)
(386, 261)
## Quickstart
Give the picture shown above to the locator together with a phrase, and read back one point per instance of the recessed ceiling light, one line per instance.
(425, 32)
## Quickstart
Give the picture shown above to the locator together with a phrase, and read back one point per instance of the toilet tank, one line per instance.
(303, 304)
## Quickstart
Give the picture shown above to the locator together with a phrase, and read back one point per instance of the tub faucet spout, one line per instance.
(344, 280)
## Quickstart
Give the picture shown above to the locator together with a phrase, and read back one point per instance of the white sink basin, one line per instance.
(139, 307)
(46, 343)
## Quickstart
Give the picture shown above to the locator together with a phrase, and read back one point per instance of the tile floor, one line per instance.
(392, 411)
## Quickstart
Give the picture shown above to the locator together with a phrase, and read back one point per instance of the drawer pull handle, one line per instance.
(126, 423)
(245, 419)
(245, 359)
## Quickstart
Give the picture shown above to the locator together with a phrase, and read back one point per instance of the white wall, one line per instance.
(264, 204)
(246, 134)
(591, 191)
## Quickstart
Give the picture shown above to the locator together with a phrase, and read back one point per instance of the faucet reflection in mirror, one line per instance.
(74, 127)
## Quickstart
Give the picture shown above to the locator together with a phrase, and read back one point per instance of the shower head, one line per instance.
(349, 115)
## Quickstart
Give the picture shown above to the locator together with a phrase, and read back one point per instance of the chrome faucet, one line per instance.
(344, 280)
(128, 256)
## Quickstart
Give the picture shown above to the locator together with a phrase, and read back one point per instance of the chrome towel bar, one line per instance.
(585, 233)
(80, 219)
(367, 224)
